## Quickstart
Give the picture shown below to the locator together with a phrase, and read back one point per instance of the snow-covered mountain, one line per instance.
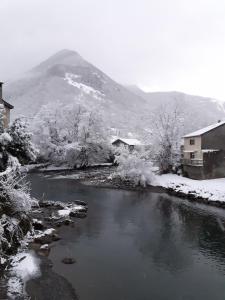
(198, 111)
(68, 78)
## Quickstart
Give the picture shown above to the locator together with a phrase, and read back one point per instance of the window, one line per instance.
(192, 155)
(192, 141)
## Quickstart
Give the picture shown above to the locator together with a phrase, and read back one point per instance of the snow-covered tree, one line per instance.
(15, 200)
(15, 204)
(134, 167)
(168, 130)
(71, 134)
(21, 145)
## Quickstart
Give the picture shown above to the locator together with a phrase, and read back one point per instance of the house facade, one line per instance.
(7, 107)
(203, 152)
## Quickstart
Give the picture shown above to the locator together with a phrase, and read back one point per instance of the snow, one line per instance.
(55, 168)
(44, 247)
(209, 150)
(49, 231)
(70, 78)
(25, 265)
(134, 167)
(212, 189)
(30, 167)
(204, 130)
(130, 142)
(219, 103)
(72, 176)
(66, 212)
(40, 234)
(5, 138)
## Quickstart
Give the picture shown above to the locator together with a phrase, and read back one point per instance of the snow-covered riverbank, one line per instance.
(209, 191)
(212, 190)
(46, 217)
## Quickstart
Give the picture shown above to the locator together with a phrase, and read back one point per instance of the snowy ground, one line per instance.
(213, 189)
(25, 265)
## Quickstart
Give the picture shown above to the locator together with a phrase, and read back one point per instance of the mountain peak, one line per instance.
(64, 53)
(63, 57)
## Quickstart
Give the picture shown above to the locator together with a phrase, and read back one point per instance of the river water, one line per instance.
(138, 245)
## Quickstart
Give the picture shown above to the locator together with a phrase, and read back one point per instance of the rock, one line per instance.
(78, 214)
(68, 260)
(56, 237)
(38, 225)
(44, 247)
(44, 250)
(67, 222)
(45, 239)
(80, 202)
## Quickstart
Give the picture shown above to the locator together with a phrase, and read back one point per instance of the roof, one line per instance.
(204, 130)
(7, 104)
(130, 142)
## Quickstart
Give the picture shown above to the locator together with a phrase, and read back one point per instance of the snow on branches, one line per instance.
(20, 144)
(70, 134)
(168, 125)
(134, 167)
(15, 200)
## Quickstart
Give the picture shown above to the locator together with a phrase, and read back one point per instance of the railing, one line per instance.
(192, 162)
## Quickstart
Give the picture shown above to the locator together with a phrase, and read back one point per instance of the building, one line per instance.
(203, 152)
(131, 144)
(7, 107)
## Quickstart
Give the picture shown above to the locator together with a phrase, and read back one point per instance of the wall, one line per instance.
(214, 139)
(193, 172)
(214, 164)
(7, 117)
(214, 167)
(195, 147)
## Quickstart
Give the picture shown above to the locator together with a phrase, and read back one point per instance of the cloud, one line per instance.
(174, 45)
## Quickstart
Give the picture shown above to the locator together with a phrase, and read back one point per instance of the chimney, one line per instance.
(1, 84)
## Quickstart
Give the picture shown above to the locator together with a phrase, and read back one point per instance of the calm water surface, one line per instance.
(138, 246)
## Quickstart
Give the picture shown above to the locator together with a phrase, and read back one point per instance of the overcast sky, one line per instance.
(157, 44)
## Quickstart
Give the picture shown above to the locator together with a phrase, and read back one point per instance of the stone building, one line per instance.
(7, 107)
(203, 152)
(131, 144)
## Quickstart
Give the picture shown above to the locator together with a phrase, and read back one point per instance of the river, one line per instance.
(138, 245)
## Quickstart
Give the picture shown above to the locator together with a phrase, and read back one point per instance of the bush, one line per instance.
(20, 144)
(134, 167)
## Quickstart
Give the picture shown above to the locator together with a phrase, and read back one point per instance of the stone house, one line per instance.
(203, 152)
(7, 107)
(131, 144)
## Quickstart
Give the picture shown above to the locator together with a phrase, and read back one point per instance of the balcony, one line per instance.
(192, 162)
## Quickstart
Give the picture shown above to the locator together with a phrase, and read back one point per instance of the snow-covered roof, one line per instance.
(130, 142)
(209, 150)
(204, 130)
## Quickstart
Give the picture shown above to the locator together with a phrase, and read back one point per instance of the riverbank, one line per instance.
(30, 270)
(211, 192)
(50, 216)
(49, 285)
(134, 244)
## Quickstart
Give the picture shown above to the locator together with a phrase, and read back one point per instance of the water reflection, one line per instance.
(140, 246)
